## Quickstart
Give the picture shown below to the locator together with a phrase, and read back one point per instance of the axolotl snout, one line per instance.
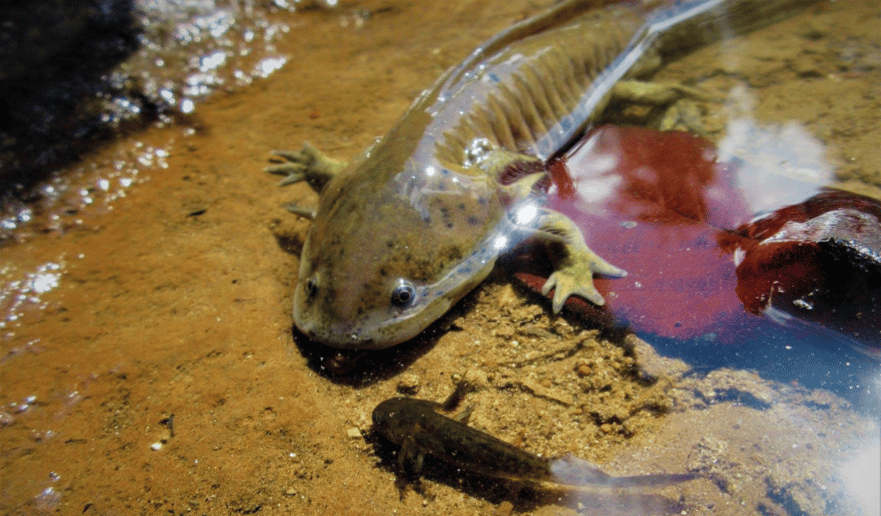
(405, 230)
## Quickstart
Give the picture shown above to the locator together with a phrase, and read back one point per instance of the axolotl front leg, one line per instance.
(308, 164)
(575, 267)
(575, 264)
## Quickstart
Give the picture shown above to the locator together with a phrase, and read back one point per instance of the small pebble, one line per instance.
(353, 433)
(156, 446)
(408, 384)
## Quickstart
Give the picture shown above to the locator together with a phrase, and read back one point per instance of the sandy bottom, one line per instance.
(151, 367)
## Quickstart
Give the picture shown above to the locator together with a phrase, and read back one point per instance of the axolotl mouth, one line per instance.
(371, 332)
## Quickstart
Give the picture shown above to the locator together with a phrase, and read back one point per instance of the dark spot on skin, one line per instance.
(482, 201)
(390, 243)
(445, 215)
(461, 206)
(473, 221)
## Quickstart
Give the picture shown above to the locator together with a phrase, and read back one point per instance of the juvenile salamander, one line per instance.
(417, 426)
(405, 230)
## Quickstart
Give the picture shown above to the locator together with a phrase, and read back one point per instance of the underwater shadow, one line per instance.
(363, 368)
(789, 355)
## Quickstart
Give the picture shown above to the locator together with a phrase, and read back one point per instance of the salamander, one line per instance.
(406, 229)
(420, 429)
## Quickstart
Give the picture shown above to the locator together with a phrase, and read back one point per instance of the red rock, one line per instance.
(662, 207)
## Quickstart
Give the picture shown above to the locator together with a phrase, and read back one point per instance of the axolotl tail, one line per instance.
(574, 471)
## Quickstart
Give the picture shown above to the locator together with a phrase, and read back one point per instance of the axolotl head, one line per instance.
(381, 263)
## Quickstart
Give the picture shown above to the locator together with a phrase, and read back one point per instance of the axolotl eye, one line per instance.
(404, 294)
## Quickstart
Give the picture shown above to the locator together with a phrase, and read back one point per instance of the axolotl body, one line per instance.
(420, 429)
(405, 230)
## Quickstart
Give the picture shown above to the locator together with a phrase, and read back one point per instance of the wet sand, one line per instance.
(154, 369)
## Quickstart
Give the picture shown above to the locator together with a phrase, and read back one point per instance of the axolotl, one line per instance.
(406, 229)
(420, 429)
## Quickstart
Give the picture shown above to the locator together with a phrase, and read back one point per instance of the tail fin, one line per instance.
(575, 471)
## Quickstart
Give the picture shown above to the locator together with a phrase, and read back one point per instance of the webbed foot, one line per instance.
(574, 276)
(575, 266)
(308, 164)
(675, 106)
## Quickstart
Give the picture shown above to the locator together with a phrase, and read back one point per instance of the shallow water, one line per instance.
(148, 361)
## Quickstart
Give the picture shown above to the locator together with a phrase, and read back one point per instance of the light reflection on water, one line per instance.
(188, 51)
(73, 197)
(21, 296)
(862, 475)
(191, 49)
(782, 164)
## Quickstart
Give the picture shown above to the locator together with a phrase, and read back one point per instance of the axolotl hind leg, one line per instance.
(674, 104)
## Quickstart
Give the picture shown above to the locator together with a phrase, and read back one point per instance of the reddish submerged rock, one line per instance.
(700, 264)
(817, 261)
